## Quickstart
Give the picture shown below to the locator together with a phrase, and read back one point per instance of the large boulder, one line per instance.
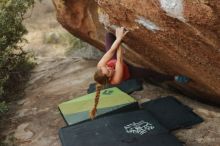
(168, 36)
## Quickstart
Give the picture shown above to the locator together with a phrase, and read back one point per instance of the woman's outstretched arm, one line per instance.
(118, 75)
(110, 53)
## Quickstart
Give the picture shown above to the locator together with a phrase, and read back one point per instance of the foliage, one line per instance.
(14, 62)
(74, 43)
(3, 107)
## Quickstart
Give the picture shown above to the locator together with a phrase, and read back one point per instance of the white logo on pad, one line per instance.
(141, 127)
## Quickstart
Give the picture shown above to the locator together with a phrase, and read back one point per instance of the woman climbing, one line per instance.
(112, 69)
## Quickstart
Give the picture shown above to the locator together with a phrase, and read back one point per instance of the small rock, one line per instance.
(22, 133)
(21, 102)
(22, 113)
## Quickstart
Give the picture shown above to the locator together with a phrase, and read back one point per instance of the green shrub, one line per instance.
(52, 38)
(3, 107)
(14, 62)
(74, 43)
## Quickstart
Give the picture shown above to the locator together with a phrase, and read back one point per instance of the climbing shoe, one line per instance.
(181, 79)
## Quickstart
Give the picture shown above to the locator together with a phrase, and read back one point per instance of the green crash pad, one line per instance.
(112, 100)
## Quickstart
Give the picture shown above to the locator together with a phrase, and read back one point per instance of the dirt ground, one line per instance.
(35, 119)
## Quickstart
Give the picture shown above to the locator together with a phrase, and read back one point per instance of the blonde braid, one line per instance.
(94, 109)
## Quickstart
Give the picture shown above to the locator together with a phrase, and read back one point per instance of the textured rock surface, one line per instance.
(35, 119)
(168, 36)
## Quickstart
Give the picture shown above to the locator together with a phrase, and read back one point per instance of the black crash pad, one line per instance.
(136, 128)
(171, 113)
(127, 86)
